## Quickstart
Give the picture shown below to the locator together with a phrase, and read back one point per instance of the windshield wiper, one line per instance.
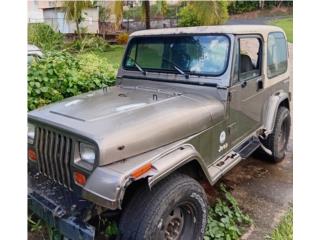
(138, 66)
(176, 67)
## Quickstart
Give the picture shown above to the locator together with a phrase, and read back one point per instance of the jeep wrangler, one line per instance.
(188, 105)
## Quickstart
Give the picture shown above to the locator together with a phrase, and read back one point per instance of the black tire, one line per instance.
(151, 213)
(277, 141)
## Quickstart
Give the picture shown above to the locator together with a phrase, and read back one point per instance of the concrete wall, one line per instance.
(35, 14)
(55, 17)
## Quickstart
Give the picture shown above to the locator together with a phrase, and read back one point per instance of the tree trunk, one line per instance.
(78, 29)
(146, 5)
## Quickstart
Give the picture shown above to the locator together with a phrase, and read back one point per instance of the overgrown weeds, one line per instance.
(43, 36)
(226, 220)
(284, 231)
(87, 44)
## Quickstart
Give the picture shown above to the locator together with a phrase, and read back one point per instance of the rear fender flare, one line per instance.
(271, 109)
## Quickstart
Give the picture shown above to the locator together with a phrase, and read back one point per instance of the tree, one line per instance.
(146, 12)
(74, 10)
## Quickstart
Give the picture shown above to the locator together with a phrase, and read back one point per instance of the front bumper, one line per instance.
(59, 208)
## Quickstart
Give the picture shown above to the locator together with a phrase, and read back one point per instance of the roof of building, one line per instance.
(232, 29)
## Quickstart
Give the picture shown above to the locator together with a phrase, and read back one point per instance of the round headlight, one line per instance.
(31, 133)
(87, 153)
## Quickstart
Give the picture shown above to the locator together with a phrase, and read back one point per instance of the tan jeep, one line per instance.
(189, 104)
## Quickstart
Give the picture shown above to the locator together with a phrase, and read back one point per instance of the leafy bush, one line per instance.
(43, 36)
(226, 219)
(60, 75)
(122, 38)
(187, 17)
(88, 43)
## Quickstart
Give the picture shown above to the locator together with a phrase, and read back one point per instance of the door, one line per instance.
(246, 95)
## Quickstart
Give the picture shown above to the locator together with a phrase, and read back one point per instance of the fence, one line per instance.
(103, 28)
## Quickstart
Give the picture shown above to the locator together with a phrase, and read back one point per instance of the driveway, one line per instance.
(263, 189)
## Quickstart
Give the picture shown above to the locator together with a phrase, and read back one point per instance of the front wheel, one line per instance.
(174, 209)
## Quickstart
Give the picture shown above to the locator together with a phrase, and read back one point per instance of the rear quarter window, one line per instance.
(277, 58)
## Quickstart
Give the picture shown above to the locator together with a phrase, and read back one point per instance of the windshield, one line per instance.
(202, 55)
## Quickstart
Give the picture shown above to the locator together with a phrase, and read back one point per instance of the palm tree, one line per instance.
(162, 7)
(118, 12)
(74, 9)
(211, 12)
(146, 11)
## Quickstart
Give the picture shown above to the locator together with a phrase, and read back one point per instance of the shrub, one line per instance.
(43, 36)
(88, 43)
(122, 38)
(237, 7)
(60, 75)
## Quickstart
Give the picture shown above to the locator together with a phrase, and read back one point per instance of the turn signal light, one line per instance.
(141, 170)
(79, 178)
(32, 154)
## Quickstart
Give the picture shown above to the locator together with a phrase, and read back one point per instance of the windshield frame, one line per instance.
(166, 71)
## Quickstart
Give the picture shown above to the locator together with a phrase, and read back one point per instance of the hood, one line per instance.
(126, 121)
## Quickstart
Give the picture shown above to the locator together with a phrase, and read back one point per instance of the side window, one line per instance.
(277, 54)
(250, 58)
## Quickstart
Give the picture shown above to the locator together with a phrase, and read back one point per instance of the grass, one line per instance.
(284, 231)
(113, 56)
(287, 25)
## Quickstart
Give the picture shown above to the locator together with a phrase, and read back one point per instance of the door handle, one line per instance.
(244, 84)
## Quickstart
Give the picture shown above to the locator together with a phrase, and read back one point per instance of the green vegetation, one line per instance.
(197, 13)
(284, 230)
(226, 220)
(60, 75)
(69, 69)
(287, 25)
(43, 36)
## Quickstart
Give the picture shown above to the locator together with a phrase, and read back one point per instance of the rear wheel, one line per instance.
(176, 208)
(278, 140)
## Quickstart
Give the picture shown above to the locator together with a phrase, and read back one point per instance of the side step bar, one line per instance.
(248, 147)
(222, 166)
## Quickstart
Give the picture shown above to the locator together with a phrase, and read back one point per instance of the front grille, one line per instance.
(54, 155)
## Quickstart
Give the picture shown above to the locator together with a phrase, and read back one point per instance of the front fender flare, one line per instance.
(173, 160)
